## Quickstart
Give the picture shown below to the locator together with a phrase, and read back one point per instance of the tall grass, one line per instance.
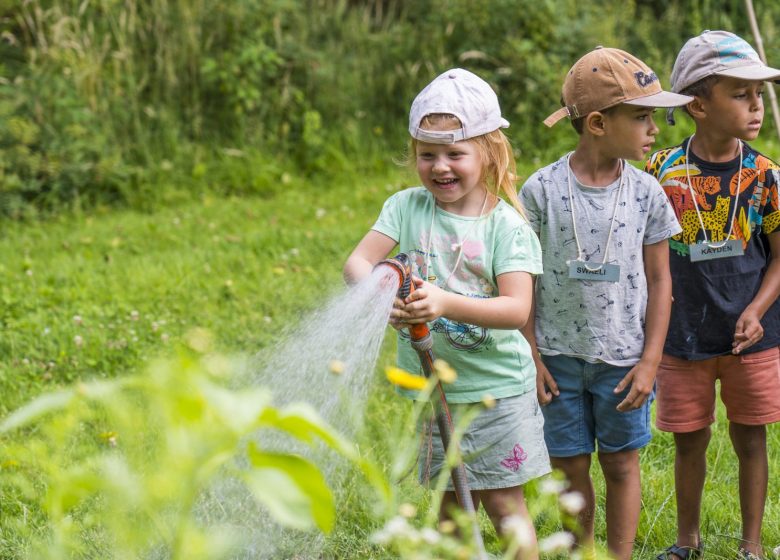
(128, 101)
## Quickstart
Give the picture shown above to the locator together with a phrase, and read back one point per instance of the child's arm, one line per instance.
(510, 310)
(544, 379)
(749, 329)
(372, 248)
(659, 307)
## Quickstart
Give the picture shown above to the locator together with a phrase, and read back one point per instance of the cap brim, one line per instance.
(661, 99)
(757, 72)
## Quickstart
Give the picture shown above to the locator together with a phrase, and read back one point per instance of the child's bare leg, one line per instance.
(504, 502)
(690, 468)
(577, 471)
(750, 445)
(449, 502)
(624, 497)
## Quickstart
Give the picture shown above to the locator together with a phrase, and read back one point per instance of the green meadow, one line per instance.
(98, 296)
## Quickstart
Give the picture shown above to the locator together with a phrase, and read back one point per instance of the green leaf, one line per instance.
(292, 488)
(44, 404)
(240, 411)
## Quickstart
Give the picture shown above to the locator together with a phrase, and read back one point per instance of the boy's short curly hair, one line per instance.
(701, 88)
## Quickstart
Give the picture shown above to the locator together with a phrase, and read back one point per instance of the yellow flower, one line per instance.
(444, 371)
(404, 379)
(336, 367)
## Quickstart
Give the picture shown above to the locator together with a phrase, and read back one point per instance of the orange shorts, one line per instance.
(749, 388)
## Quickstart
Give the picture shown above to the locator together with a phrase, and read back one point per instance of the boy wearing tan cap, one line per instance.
(725, 267)
(602, 304)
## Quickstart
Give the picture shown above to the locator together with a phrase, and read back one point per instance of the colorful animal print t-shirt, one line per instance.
(597, 321)
(465, 255)
(710, 295)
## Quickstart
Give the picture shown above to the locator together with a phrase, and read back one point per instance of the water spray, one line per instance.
(422, 342)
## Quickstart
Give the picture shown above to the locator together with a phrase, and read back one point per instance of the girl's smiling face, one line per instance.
(453, 174)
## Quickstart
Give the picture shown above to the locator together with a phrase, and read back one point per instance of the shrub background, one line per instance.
(142, 102)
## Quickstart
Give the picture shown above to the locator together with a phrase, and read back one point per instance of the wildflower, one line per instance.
(571, 502)
(78, 341)
(77, 320)
(557, 543)
(430, 536)
(26, 361)
(164, 337)
(155, 326)
(404, 379)
(294, 252)
(199, 340)
(336, 367)
(519, 530)
(320, 213)
(447, 527)
(134, 315)
(394, 528)
(407, 510)
(488, 400)
(109, 438)
(552, 486)
(28, 272)
(444, 371)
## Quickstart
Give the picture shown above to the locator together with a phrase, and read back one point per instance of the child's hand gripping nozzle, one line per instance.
(422, 342)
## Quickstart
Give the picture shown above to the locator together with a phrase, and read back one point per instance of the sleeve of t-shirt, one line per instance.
(390, 218)
(531, 199)
(771, 218)
(517, 250)
(661, 221)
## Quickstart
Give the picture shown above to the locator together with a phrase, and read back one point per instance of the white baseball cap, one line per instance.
(718, 53)
(460, 93)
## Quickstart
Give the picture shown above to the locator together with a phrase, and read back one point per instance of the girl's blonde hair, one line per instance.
(499, 171)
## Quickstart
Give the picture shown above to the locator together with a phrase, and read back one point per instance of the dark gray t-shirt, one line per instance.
(594, 320)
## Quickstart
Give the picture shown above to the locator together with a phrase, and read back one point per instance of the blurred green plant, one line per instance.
(116, 468)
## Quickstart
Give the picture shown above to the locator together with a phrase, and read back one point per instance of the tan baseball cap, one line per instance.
(606, 77)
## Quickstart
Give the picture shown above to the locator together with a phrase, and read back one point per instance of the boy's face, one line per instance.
(735, 108)
(629, 131)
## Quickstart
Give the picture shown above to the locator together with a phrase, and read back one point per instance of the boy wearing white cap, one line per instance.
(725, 266)
(602, 304)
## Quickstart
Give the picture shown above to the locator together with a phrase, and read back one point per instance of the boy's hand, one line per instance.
(748, 331)
(641, 377)
(544, 381)
(425, 304)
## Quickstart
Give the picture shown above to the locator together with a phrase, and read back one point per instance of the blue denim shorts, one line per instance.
(585, 411)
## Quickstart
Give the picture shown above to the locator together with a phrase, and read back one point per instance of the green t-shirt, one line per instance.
(488, 361)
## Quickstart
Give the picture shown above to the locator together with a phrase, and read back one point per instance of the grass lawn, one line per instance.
(97, 296)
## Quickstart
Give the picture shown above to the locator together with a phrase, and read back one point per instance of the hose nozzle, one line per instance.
(402, 264)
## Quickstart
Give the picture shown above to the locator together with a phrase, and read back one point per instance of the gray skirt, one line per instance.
(502, 447)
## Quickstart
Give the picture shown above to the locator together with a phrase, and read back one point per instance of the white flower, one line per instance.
(518, 529)
(320, 213)
(430, 536)
(77, 319)
(552, 486)
(78, 341)
(407, 510)
(134, 315)
(556, 543)
(571, 502)
(394, 528)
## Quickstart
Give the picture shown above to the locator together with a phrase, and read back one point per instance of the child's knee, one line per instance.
(620, 466)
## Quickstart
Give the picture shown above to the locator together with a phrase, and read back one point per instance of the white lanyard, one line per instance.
(574, 219)
(460, 244)
(696, 204)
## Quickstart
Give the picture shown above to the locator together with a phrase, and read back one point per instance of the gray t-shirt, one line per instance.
(588, 319)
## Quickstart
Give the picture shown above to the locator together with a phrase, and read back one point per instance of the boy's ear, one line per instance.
(594, 123)
(696, 108)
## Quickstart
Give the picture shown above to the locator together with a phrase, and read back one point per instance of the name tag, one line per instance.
(710, 251)
(605, 273)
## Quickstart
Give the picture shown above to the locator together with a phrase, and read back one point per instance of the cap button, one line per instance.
(451, 76)
(598, 47)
